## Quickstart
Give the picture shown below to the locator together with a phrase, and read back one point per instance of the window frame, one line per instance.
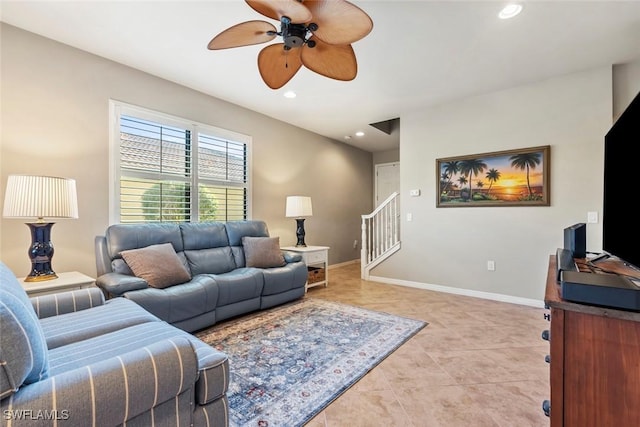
(117, 109)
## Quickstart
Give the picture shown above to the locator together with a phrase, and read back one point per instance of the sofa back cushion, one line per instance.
(24, 358)
(206, 247)
(236, 230)
(122, 237)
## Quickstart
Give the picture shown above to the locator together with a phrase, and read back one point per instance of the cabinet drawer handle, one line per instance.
(546, 335)
(547, 316)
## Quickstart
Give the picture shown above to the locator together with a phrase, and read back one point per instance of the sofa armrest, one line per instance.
(66, 302)
(290, 257)
(116, 284)
(109, 392)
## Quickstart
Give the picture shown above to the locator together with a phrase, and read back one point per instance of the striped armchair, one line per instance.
(72, 359)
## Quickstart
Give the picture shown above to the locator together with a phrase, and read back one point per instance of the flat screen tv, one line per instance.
(621, 214)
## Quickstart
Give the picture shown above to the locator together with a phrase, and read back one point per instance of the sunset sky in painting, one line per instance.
(509, 176)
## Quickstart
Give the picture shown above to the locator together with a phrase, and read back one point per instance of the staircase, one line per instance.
(380, 234)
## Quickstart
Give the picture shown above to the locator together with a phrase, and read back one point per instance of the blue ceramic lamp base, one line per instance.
(300, 232)
(40, 252)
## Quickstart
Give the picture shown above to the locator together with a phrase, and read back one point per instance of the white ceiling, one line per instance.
(419, 54)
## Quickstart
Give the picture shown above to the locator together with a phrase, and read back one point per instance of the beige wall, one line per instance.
(55, 121)
(450, 247)
(626, 85)
(388, 156)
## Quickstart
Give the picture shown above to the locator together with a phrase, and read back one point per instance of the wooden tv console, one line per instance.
(594, 364)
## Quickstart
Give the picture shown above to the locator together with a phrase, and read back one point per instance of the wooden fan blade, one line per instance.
(333, 61)
(339, 22)
(277, 66)
(243, 34)
(276, 9)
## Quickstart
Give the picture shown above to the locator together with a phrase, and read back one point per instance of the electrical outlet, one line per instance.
(592, 217)
(491, 265)
(409, 217)
(355, 244)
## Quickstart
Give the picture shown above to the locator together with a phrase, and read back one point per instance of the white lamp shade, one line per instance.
(298, 206)
(40, 197)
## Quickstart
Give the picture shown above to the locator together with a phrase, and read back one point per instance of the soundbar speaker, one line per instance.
(575, 240)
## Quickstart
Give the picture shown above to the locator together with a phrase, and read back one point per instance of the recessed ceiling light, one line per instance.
(290, 94)
(359, 133)
(510, 10)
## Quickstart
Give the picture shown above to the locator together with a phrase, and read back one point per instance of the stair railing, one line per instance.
(380, 234)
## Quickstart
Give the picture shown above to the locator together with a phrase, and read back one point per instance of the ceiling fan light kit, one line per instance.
(315, 33)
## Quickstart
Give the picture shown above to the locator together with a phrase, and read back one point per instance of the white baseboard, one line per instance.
(460, 291)
(342, 264)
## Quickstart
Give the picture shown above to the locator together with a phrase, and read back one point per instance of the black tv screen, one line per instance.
(621, 215)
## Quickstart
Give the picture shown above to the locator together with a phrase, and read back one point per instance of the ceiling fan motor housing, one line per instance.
(295, 35)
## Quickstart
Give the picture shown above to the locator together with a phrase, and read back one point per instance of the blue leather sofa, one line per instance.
(73, 359)
(221, 285)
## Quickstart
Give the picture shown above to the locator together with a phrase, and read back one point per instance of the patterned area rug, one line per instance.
(288, 363)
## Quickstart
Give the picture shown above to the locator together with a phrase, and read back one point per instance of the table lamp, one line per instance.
(299, 207)
(39, 198)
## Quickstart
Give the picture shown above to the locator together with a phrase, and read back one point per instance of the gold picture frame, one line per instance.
(502, 178)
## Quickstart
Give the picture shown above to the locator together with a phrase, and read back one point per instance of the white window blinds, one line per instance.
(160, 164)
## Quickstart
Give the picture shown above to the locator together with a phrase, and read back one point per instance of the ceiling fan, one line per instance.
(315, 33)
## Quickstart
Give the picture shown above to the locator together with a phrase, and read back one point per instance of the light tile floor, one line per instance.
(478, 362)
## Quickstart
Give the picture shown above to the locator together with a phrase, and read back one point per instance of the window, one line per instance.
(168, 169)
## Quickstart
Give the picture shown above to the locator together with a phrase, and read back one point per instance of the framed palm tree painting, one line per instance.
(502, 178)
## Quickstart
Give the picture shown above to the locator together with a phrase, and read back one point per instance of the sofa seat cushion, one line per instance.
(180, 302)
(23, 348)
(238, 285)
(282, 279)
(115, 314)
(213, 365)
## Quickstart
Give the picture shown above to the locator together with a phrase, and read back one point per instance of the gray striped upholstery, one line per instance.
(118, 388)
(212, 415)
(23, 349)
(115, 314)
(67, 302)
(213, 365)
(108, 364)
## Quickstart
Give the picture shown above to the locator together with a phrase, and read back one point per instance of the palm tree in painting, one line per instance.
(472, 167)
(493, 175)
(462, 180)
(526, 161)
(450, 169)
(444, 182)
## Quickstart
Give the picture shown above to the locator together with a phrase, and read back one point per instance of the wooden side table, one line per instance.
(67, 281)
(317, 260)
(595, 361)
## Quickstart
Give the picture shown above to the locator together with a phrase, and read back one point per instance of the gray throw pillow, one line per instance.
(159, 265)
(262, 252)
